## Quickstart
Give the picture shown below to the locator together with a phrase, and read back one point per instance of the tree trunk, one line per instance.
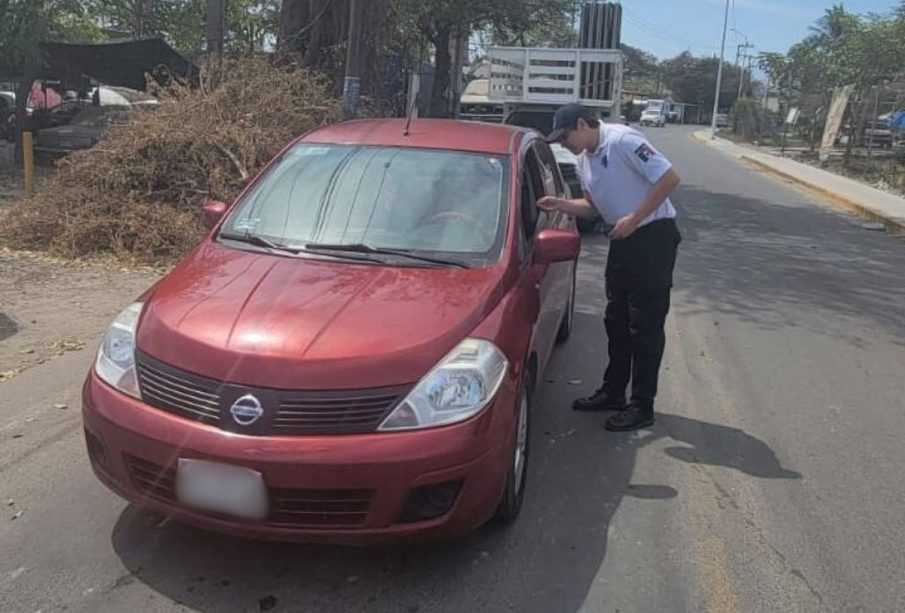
(313, 56)
(293, 18)
(439, 106)
(140, 15)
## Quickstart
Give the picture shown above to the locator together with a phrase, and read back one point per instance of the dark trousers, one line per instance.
(638, 282)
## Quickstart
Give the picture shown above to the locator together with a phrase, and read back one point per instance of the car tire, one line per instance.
(568, 318)
(516, 478)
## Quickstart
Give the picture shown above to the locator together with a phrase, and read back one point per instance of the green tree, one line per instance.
(316, 29)
(843, 49)
(442, 21)
(24, 24)
(182, 23)
(639, 63)
(693, 80)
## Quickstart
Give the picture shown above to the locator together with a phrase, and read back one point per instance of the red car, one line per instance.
(351, 354)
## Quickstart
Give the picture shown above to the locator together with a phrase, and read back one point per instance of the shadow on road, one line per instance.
(777, 264)
(8, 327)
(547, 561)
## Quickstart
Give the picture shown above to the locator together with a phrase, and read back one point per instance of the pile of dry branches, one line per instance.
(138, 194)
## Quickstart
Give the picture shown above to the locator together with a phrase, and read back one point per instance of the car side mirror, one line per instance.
(553, 246)
(213, 212)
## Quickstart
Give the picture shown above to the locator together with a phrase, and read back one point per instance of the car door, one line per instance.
(538, 181)
(561, 274)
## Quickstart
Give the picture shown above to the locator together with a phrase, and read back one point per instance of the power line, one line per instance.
(653, 29)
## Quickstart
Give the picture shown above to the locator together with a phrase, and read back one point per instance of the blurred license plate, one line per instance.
(221, 488)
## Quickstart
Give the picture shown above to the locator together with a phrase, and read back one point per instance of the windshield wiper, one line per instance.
(259, 241)
(363, 248)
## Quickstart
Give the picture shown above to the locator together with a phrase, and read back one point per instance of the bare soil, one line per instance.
(49, 307)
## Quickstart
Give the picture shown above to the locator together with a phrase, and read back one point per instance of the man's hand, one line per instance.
(578, 207)
(625, 227)
(549, 204)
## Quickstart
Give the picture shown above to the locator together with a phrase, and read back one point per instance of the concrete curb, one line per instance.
(831, 195)
(896, 224)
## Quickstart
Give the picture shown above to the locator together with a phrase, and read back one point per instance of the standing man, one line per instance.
(626, 182)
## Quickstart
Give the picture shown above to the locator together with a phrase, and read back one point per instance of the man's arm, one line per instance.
(579, 207)
(658, 192)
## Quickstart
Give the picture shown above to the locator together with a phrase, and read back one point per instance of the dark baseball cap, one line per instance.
(565, 119)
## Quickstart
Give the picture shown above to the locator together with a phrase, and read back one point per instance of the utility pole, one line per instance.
(743, 73)
(719, 74)
(352, 84)
(741, 55)
(750, 73)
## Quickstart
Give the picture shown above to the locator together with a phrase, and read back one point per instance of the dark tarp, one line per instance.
(123, 63)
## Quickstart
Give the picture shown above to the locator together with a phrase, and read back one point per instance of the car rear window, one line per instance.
(419, 200)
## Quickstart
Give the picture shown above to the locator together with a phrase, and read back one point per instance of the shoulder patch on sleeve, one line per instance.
(645, 152)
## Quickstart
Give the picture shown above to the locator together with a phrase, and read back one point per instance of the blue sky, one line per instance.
(668, 27)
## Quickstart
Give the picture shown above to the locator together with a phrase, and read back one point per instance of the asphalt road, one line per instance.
(772, 480)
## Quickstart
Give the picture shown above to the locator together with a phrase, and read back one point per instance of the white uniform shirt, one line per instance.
(621, 171)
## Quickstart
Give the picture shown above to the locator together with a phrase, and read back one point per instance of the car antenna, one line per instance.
(408, 120)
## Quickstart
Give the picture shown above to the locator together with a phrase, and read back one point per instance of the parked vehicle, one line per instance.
(653, 118)
(352, 353)
(475, 102)
(722, 120)
(60, 115)
(877, 134)
(83, 132)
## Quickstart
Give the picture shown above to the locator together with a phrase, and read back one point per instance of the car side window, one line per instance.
(533, 189)
(552, 176)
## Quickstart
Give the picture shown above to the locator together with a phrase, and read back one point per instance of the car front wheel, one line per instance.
(514, 493)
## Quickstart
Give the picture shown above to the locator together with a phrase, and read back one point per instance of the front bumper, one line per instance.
(345, 489)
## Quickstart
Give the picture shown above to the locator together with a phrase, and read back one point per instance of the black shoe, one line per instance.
(601, 400)
(632, 418)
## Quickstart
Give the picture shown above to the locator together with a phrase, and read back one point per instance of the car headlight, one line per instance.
(460, 386)
(116, 357)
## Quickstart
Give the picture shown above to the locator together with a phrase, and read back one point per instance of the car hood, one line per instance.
(262, 320)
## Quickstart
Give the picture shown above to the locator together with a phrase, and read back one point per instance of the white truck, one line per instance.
(523, 77)
(654, 115)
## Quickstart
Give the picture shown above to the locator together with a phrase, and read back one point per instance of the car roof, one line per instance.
(455, 135)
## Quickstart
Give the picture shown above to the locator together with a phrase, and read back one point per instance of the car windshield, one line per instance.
(415, 200)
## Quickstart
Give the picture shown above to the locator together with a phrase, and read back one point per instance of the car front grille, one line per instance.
(180, 394)
(286, 412)
(289, 508)
(315, 413)
(320, 508)
(151, 480)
